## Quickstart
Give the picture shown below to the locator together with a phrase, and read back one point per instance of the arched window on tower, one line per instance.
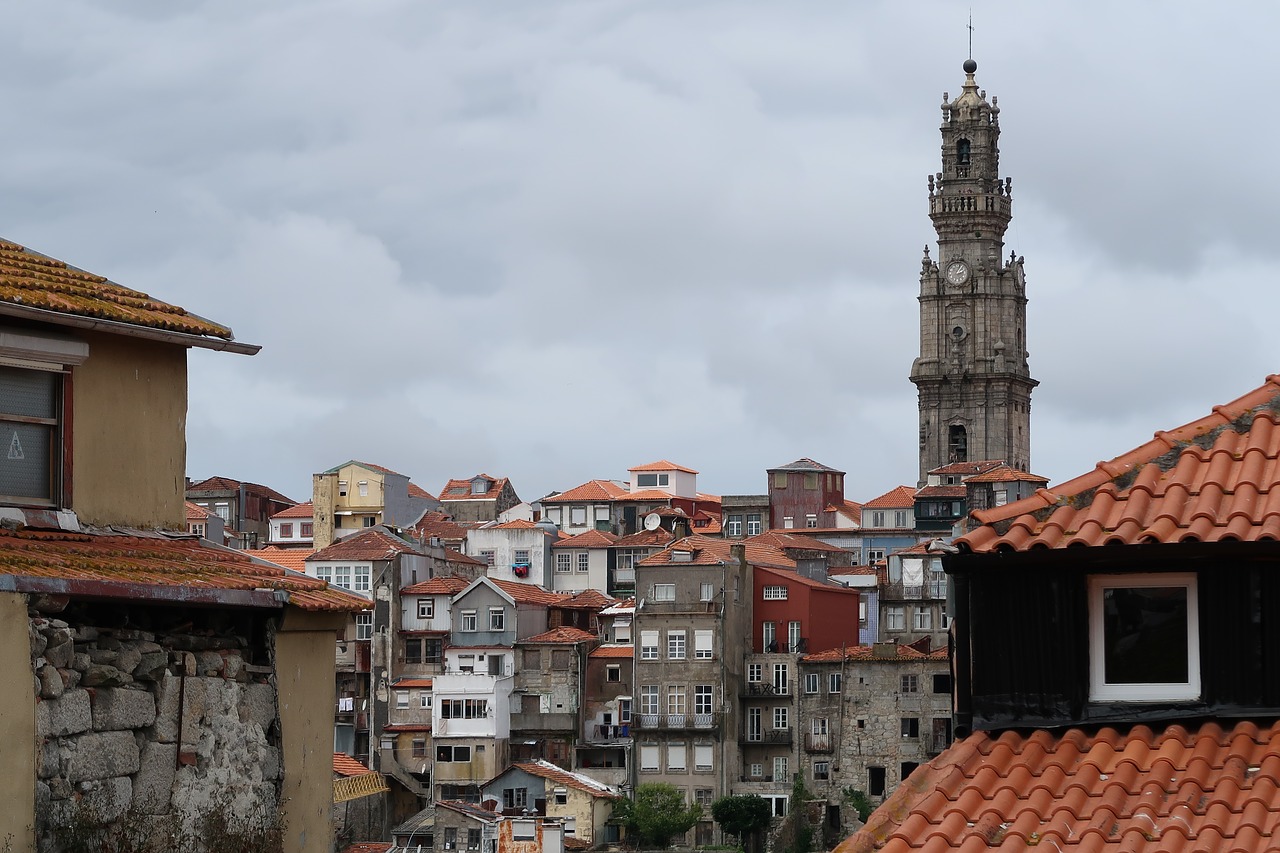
(962, 152)
(957, 444)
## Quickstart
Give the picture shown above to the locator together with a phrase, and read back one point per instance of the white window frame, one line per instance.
(1099, 689)
(677, 757)
(648, 645)
(895, 618)
(564, 563)
(754, 526)
(775, 592)
(812, 681)
(834, 680)
(703, 758)
(584, 562)
(364, 625)
(426, 608)
(676, 645)
(664, 592)
(707, 592)
(650, 757)
(468, 621)
(703, 644)
(923, 619)
(755, 672)
(497, 619)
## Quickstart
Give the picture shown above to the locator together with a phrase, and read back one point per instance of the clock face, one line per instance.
(957, 272)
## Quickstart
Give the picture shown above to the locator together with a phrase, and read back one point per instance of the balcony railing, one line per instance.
(898, 591)
(818, 743)
(676, 722)
(766, 737)
(764, 690)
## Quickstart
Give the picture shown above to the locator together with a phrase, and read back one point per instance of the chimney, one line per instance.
(884, 651)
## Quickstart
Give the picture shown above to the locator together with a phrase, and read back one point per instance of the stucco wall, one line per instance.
(17, 725)
(129, 424)
(305, 683)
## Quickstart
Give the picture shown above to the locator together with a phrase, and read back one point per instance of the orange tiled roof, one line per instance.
(1005, 474)
(968, 469)
(563, 634)
(369, 465)
(371, 544)
(1175, 789)
(713, 552)
(345, 765)
(439, 524)
(850, 570)
(303, 510)
(421, 683)
(784, 540)
(613, 652)
(590, 539)
(516, 524)
(197, 513)
(31, 280)
(289, 558)
(918, 548)
(659, 538)
(662, 465)
(416, 491)
(460, 490)
(788, 576)
(560, 776)
(642, 495)
(142, 567)
(1216, 478)
(849, 509)
(902, 497)
(453, 556)
(953, 491)
(447, 585)
(592, 599)
(867, 653)
(526, 593)
(592, 490)
(226, 484)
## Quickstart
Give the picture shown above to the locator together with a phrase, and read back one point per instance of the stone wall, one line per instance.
(155, 728)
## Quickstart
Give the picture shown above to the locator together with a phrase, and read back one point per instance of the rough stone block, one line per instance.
(209, 663)
(44, 720)
(103, 755)
(151, 665)
(98, 655)
(168, 709)
(51, 686)
(128, 659)
(270, 763)
(79, 661)
(116, 708)
(108, 799)
(69, 715)
(39, 642)
(258, 703)
(59, 651)
(48, 758)
(153, 786)
(105, 675)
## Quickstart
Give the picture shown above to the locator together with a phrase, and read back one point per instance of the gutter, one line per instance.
(134, 591)
(127, 329)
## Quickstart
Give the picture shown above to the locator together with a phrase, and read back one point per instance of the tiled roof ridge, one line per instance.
(899, 497)
(1163, 450)
(662, 465)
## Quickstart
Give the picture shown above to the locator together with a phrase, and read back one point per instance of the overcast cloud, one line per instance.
(551, 240)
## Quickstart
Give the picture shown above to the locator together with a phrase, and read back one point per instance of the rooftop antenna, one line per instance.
(971, 32)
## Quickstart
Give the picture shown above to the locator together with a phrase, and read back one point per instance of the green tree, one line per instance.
(804, 832)
(743, 816)
(657, 812)
(860, 801)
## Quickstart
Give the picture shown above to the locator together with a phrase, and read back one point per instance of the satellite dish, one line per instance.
(652, 521)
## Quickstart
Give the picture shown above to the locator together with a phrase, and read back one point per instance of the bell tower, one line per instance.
(972, 374)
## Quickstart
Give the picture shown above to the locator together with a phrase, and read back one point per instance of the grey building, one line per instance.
(972, 375)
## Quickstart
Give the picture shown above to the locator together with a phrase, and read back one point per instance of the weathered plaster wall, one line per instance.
(129, 420)
(17, 724)
(304, 679)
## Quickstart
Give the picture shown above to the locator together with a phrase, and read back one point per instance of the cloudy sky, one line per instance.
(550, 240)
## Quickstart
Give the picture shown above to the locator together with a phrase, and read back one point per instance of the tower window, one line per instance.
(957, 444)
(962, 152)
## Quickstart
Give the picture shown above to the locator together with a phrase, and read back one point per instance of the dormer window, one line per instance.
(1144, 638)
(479, 486)
(649, 481)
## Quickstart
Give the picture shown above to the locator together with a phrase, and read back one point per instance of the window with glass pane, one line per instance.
(29, 434)
(1144, 637)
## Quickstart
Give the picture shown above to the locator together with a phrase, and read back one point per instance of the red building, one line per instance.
(801, 491)
(792, 613)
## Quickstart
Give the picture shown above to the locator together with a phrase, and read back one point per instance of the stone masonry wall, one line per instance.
(147, 735)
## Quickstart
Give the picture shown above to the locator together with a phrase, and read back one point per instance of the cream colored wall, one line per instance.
(129, 433)
(306, 697)
(17, 727)
(578, 804)
(324, 490)
(353, 474)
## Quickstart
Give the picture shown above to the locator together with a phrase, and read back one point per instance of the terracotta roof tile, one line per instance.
(197, 513)
(642, 495)
(787, 576)
(371, 544)
(899, 498)
(1005, 474)
(968, 469)
(590, 539)
(659, 538)
(712, 552)
(1212, 479)
(419, 683)
(517, 524)
(805, 464)
(592, 490)
(955, 491)
(784, 540)
(527, 593)
(1114, 789)
(850, 570)
(627, 652)
(592, 599)
(560, 776)
(438, 586)
(132, 566)
(345, 765)
(303, 510)
(460, 490)
(31, 280)
(289, 558)
(453, 556)
(416, 491)
(563, 634)
(440, 525)
(224, 484)
(867, 653)
(662, 465)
